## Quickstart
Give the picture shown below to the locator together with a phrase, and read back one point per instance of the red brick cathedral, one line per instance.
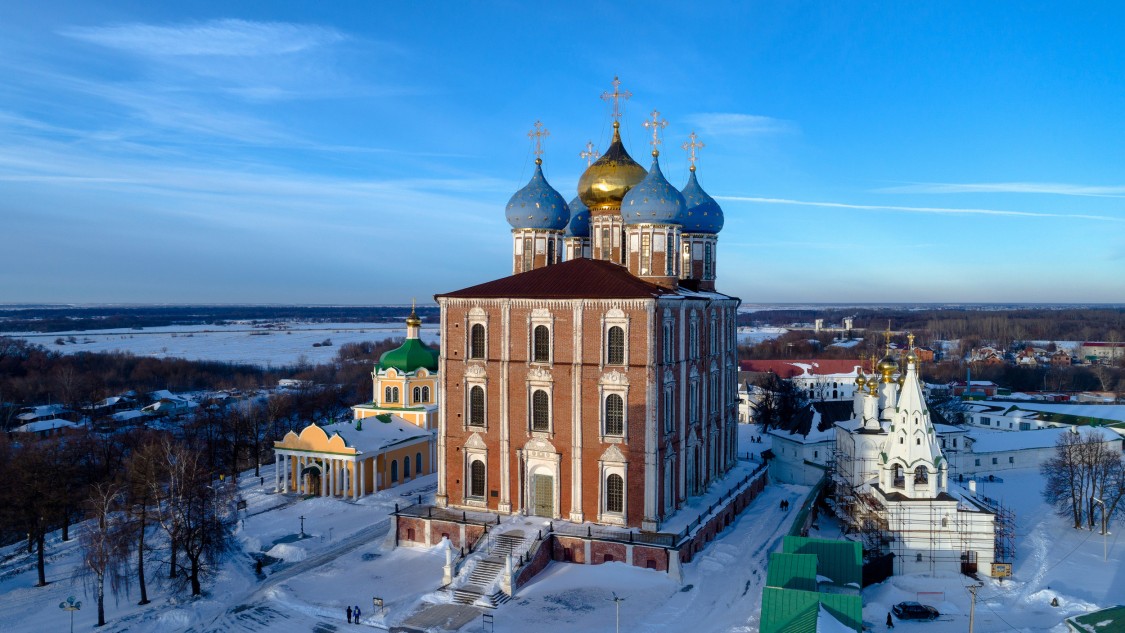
(598, 381)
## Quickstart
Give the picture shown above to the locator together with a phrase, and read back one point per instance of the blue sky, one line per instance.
(363, 152)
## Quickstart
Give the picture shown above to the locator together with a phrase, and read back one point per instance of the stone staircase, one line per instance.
(478, 586)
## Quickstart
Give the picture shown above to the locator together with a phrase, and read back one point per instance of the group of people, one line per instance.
(755, 439)
(785, 504)
(353, 614)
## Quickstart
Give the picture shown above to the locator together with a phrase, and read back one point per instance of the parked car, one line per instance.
(914, 611)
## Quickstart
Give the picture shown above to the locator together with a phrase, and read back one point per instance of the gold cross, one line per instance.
(691, 146)
(538, 134)
(590, 154)
(910, 340)
(656, 124)
(887, 336)
(617, 96)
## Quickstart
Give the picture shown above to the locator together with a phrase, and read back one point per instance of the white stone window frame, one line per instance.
(540, 380)
(615, 318)
(476, 316)
(668, 336)
(695, 396)
(538, 317)
(693, 335)
(669, 404)
(605, 469)
(475, 455)
(475, 377)
(615, 383)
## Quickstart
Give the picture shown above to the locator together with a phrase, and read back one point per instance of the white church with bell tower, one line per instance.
(892, 480)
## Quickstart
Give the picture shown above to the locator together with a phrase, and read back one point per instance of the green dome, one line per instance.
(409, 357)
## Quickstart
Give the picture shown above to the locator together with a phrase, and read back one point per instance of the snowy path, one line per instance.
(251, 613)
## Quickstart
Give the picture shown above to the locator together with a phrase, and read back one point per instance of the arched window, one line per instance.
(541, 345)
(476, 479)
(921, 476)
(899, 477)
(615, 348)
(476, 406)
(394, 471)
(550, 251)
(418, 463)
(406, 468)
(708, 262)
(387, 395)
(476, 341)
(945, 522)
(394, 394)
(669, 343)
(425, 394)
(614, 493)
(540, 411)
(417, 394)
(614, 415)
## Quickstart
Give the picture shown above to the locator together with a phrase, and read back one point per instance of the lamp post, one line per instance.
(617, 602)
(1105, 532)
(302, 517)
(71, 605)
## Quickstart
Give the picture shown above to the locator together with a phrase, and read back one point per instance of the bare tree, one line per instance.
(198, 515)
(100, 540)
(1084, 472)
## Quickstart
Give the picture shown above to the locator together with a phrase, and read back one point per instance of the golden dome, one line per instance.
(860, 380)
(887, 367)
(604, 184)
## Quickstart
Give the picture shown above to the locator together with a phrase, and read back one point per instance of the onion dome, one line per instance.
(538, 205)
(413, 320)
(604, 184)
(579, 225)
(703, 214)
(887, 367)
(860, 380)
(654, 200)
(409, 357)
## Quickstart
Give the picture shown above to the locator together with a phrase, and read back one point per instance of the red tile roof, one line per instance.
(789, 368)
(575, 279)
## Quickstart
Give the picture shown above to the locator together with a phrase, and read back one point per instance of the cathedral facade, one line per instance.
(598, 382)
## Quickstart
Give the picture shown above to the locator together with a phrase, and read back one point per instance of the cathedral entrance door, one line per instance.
(543, 495)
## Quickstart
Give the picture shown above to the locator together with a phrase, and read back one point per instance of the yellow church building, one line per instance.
(390, 441)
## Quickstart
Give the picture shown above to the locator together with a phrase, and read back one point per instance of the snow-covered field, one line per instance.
(754, 335)
(235, 343)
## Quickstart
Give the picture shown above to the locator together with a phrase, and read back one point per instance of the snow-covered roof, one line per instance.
(813, 437)
(375, 435)
(125, 416)
(999, 441)
(41, 411)
(827, 623)
(45, 425)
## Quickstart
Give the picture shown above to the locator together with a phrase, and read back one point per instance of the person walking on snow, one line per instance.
(890, 622)
(349, 615)
(355, 613)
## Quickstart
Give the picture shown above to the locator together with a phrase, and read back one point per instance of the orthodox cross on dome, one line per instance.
(910, 341)
(590, 154)
(887, 336)
(537, 135)
(616, 96)
(656, 124)
(691, 146)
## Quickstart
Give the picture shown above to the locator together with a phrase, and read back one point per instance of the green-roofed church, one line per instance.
(405, 381)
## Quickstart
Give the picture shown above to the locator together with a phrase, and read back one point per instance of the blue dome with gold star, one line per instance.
(653, 200)
(703, 214)
(579, 225)
(538, 205)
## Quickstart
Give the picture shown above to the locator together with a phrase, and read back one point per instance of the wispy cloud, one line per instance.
(736, 124)
(226, 38)
(924, 210)
(1057, 188)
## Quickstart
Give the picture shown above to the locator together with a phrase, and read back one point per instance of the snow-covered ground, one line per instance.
(753, 335)
(1052, 561)
(346, 560)
(236, 343)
